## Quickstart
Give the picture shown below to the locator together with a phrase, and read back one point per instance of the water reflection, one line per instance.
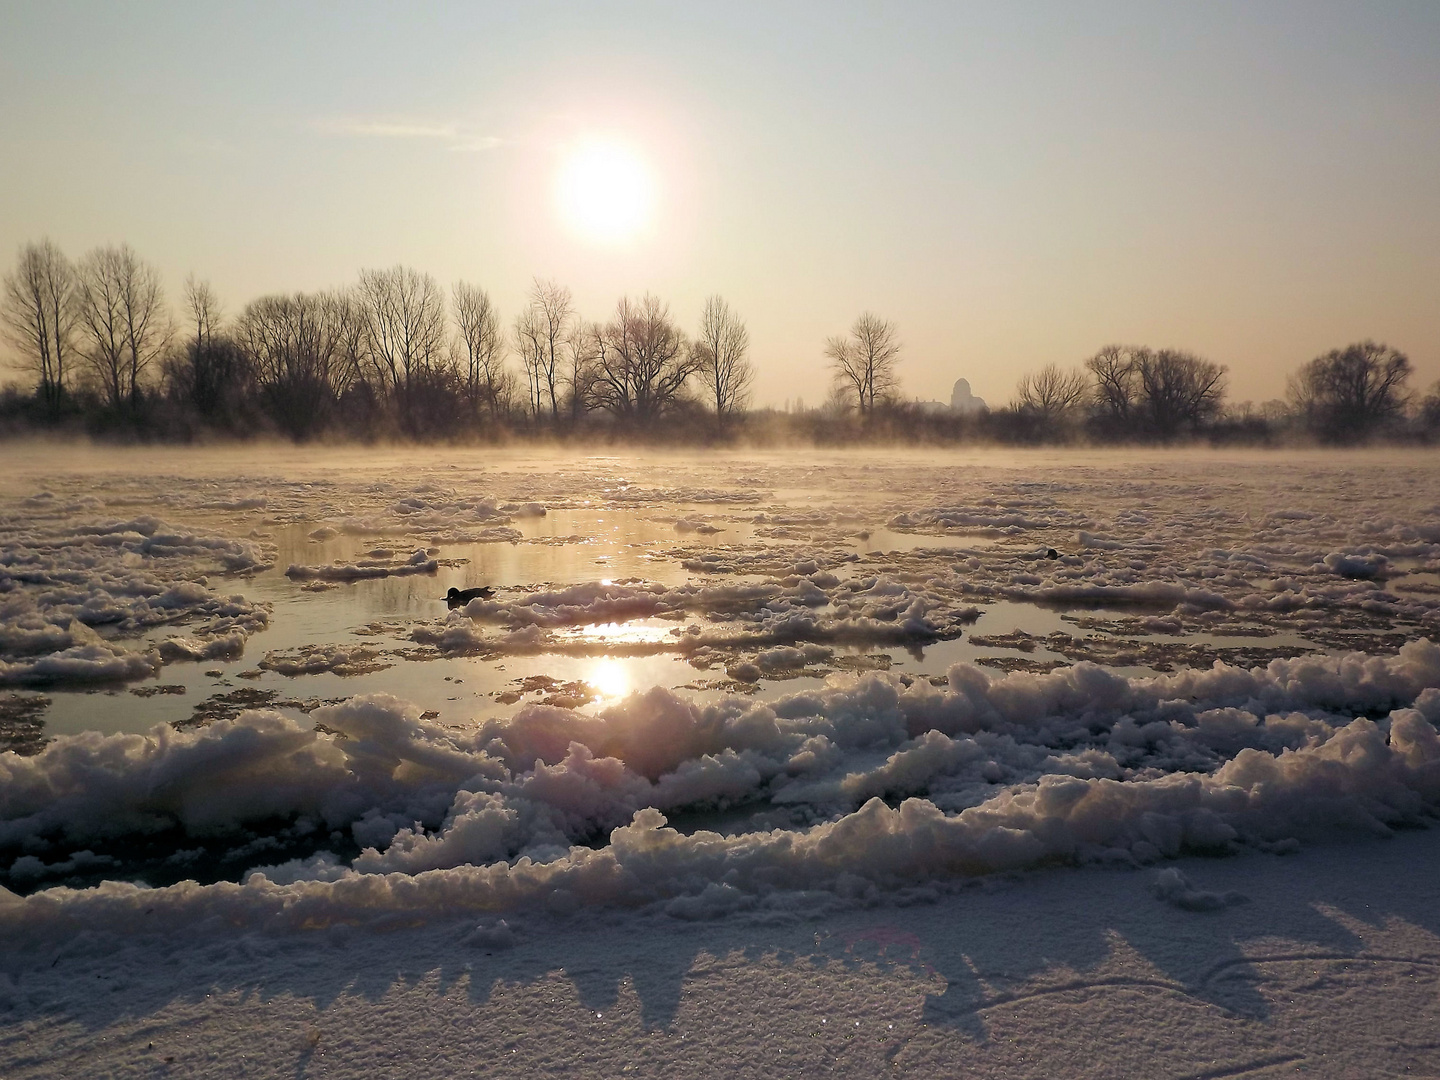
(563, 547)
(620, 634)
(610, 678)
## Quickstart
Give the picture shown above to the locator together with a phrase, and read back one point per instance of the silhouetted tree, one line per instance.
(297, 347)
(529, 337)
(1179, 390)
(1345, 394)
(720, 351)
(38, 313)
(405, 318)
(211, 372)
(644, 361)
(203, 308)
(1116, 383)
(350, 367)
(551, 313)
(482, 347)
(1161, 393)
(864, 362)
(1430, 409)
(120, 305)
(582, 354)
(1050, 393)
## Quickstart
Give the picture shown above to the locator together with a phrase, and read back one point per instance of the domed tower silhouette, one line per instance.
(962, 400)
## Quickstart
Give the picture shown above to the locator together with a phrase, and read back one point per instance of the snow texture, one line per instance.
(987, 774)
(62, 580)
(850, 828)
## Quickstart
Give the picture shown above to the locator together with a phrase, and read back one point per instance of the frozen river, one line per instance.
(756, 640)
(749, 690)
(334, 609)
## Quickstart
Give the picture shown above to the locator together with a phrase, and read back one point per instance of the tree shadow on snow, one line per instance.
(995, 943)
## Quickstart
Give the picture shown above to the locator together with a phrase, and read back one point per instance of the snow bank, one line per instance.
(1363, 781)
(1005, 515)
(1000, 773)
(1367, 566)
(1175, 889)
(217, 779)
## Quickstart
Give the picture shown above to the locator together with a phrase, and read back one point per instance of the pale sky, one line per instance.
(1012, 184)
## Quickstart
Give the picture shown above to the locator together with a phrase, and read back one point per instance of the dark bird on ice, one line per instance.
(460, 597)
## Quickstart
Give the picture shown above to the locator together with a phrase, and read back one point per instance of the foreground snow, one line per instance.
(1329, 966)
(1009, 772)
(881, 938)
(845, 852)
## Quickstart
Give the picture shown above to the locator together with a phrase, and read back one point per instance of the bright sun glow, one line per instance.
(605, 191)
(609, 679)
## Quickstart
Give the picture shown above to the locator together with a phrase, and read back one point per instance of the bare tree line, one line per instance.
(398, 354)
(1128, 391)
(394, 352)
(107, 311)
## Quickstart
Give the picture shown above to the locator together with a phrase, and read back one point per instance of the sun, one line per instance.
(605, 191)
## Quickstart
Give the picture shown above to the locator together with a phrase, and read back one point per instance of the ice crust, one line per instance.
(884, 868)
(988, 773)
(799, 607)
(417, 563)
(62, 581)
(866, 784)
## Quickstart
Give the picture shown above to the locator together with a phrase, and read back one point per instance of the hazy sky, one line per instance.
(1011, 183)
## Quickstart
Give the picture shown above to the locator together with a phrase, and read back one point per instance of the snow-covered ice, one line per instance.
(859, 761)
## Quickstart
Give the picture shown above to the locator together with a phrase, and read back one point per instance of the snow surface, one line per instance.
(849, 854)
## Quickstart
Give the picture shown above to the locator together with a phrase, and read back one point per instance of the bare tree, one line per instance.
(1430, 408)
(203, 308)
(1181, 390)
(1114, 371)
(552, 310)
(529, 337)
(122, 318)
(720, 352)
(583, 347)
(644, 361)
(1347, 392)
(350, 328)
(864, 362)
(38, 314)
(482, 346)
(1156, 392)
(298, 347)
(1050, 393)
(405, 316)
(210, 370)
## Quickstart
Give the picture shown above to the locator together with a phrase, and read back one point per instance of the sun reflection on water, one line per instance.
(609, 678)
(634, 632)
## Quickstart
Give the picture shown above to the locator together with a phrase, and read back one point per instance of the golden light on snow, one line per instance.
(605, 191)
(609, 678)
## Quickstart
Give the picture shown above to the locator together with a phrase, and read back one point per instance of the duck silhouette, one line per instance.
(460, 597)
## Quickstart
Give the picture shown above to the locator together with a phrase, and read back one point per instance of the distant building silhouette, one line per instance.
(962, 402)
